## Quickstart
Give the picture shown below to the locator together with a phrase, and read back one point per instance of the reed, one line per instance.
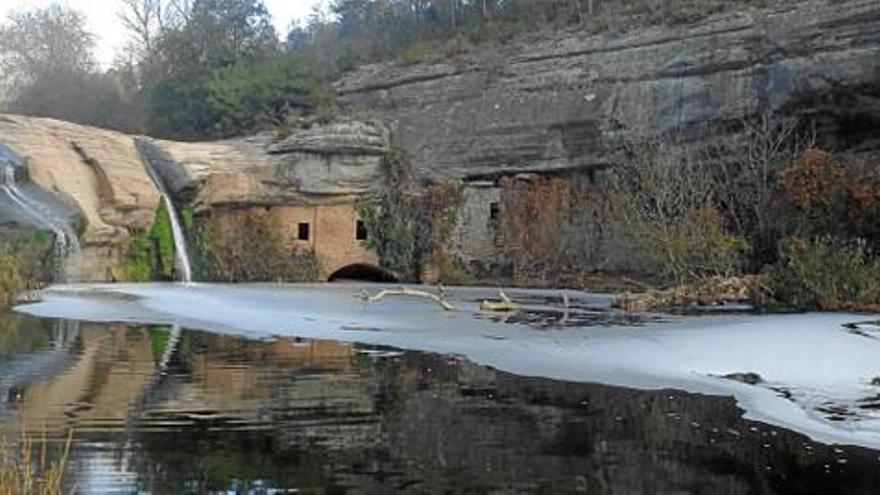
(27, 468)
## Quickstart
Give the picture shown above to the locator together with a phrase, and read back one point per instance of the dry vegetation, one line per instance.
(700, 217)
(28, 468)
(247, 246)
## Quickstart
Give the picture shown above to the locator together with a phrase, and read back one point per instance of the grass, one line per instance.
(28, 469)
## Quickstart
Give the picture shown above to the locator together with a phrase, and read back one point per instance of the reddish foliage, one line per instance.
(864, 196)
(813, 180)
(536, 211)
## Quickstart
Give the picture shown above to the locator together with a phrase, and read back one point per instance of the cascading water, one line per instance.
(66, 242)
(184, 268)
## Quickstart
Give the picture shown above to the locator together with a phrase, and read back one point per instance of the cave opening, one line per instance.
(362, 272)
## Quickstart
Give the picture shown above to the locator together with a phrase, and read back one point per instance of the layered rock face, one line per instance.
(563, 100)
(323, 163)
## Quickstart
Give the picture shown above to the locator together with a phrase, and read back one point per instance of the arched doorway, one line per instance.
(362, 272)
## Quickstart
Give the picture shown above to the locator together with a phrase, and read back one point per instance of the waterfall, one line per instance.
(180, 252)
(66, 242)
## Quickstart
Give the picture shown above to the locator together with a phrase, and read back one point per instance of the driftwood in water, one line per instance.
(403, 291)
(504, 305)
(566, 305)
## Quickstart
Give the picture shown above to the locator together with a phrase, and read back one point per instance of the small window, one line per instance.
(494, 212)
(360, 231)
(302, 232)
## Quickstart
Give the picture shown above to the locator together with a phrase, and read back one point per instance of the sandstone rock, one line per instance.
(97, 173)
(338, 138)
(319, 164)
(101, 176)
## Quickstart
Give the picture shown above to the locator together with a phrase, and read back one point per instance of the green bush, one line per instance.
(824, 273)
(450, 272)
(408, 227)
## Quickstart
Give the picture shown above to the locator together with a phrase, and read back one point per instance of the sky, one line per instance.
(111, 36)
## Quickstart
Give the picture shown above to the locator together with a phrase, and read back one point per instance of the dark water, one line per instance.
(157, 410)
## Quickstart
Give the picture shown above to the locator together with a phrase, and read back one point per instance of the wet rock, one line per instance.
(747, 378)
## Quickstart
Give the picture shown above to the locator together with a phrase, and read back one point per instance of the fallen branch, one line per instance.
(403, 291)
(505, 305)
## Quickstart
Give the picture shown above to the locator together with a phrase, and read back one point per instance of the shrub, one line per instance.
(668, 198)
(408, 227)
(692, 248)
(247, 246)
(449, 271)
(824, 273)
(11, 280)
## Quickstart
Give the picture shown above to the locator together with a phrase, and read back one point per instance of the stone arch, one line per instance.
(364, 272)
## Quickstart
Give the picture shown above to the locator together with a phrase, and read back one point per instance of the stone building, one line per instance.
(333, 232)
(308, 186)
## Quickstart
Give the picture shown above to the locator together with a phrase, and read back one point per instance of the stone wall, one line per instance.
(332, 234)
(475, 238)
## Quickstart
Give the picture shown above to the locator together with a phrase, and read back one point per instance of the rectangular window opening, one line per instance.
(360, 231)
(494, 212)
(303, 231)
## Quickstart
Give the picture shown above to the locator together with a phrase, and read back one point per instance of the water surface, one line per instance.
(154, 409)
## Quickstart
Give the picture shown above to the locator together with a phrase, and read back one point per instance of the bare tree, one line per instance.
(144, 19)
(667, 193)
(40, 43)
(748, 164)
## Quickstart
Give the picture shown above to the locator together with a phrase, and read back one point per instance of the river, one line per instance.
(191, 388)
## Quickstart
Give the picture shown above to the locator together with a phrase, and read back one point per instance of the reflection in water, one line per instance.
(169, 411)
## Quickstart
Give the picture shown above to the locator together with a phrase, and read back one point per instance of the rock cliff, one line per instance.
(311, 165)
(561, 100)
(543, 102)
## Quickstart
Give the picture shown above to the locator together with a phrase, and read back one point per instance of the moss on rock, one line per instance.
(151, 254)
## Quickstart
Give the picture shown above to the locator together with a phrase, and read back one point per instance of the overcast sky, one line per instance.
(103, 21)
